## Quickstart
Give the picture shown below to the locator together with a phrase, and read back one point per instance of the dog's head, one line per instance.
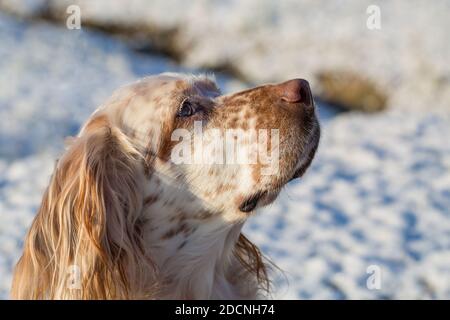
(231, 152)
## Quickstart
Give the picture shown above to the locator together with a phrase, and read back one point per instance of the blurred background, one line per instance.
(376, 201)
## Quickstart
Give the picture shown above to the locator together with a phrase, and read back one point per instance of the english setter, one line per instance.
(124, 218)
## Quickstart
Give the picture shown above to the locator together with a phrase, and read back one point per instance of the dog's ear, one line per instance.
(86, 241)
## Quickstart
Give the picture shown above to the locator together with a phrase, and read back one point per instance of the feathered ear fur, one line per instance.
(85, 242)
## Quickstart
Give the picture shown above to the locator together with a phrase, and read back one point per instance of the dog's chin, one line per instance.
(258, 199)
(265, 197)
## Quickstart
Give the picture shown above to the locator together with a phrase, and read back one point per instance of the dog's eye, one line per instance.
(187, 109)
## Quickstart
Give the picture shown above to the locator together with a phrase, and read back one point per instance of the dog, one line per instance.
(129, 214)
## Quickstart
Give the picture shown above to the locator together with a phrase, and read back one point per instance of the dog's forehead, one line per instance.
(204, 85)
(154, 83)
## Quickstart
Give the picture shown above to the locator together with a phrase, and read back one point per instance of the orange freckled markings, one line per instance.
(223, 187)
(204, 215)
(233, 122)
(157, 99)
(150, 200)
(182, 228)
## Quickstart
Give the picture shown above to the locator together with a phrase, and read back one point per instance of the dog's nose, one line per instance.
(295, 91)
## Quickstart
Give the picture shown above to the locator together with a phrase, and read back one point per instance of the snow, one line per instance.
(378, 192)
(273, 40)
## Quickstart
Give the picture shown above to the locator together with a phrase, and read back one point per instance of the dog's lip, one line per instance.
(302, 169)
(250, 203)
(297, 174)
(307, 155)
(264, 196)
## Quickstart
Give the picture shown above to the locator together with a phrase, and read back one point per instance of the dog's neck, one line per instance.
(193, 250)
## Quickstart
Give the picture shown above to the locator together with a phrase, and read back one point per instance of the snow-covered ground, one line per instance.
(378, 192)
(267, 40)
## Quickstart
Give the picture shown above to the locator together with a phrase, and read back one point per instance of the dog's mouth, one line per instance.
(306, 160)
(261, 198)
(266, 197)
(251, 202)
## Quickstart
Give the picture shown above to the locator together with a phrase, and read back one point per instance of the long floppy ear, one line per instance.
(86, 242)
(254, 262)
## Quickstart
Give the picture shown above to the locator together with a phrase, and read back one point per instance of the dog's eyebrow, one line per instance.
(207, 88)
